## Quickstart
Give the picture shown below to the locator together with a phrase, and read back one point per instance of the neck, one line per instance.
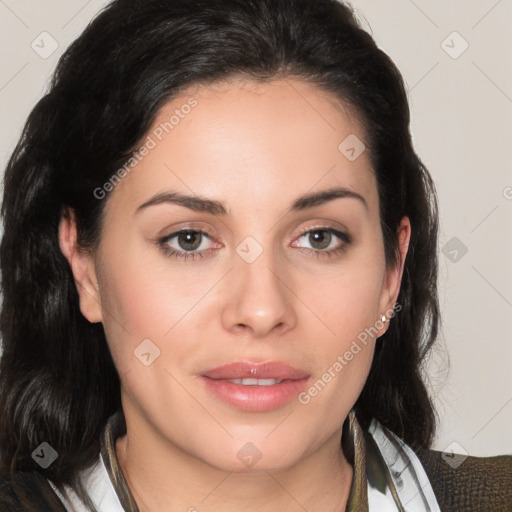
(163, 477)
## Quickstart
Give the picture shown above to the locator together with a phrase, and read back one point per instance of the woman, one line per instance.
(219, 273)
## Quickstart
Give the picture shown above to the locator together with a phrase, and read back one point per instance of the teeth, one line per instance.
(255, 382)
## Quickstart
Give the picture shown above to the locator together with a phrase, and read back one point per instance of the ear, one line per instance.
(393, 275)
(82, 266)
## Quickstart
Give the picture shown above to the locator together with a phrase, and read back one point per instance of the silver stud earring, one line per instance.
(383, 319)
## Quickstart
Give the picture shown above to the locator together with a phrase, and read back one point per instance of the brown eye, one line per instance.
(322, 242)
(320, 239)
(186, 244)
(189, 240)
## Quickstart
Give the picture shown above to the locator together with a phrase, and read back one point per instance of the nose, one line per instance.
(259, 299)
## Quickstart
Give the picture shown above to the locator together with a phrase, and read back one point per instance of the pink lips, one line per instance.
(254, 397)
(241, 370)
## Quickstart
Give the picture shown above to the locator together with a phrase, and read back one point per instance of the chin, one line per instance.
(249, 457)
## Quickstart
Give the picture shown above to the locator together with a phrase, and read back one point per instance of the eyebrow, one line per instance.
(214, 207)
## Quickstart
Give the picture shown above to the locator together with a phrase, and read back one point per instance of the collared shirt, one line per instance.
(388, 476)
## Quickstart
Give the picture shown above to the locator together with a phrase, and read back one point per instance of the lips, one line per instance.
(255, 387)
(243, 370)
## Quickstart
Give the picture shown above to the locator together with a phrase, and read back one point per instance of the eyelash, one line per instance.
(185, 255)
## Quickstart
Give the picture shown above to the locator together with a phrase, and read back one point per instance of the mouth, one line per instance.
(255, 387)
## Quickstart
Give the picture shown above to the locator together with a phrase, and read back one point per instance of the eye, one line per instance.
(323, 241)
(185, 244)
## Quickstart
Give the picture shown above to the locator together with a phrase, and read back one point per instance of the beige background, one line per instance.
(461, 105)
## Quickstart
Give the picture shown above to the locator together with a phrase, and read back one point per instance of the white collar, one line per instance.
(99, 487)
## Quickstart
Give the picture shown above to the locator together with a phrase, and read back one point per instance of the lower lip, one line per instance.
(255, 398)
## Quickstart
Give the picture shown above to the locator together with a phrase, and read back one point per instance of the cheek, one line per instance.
(343, 357)
(145, 296)
(346, 303)
(346, 300)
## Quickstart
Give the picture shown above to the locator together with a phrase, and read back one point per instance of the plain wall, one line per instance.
(461, 106)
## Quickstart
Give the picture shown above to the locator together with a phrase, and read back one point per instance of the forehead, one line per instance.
(250, 142)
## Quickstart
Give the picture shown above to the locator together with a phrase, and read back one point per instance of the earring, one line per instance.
(383, 318)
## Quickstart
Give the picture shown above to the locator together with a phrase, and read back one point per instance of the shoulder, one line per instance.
(28, 492)
(469, 484)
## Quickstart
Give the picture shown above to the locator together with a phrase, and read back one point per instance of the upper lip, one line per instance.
(244, 370)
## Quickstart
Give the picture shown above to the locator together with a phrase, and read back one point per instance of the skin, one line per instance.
(256, 147)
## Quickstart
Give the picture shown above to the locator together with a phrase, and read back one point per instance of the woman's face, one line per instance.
(281, 274)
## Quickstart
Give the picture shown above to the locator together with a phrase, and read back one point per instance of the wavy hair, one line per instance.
(58, 383)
